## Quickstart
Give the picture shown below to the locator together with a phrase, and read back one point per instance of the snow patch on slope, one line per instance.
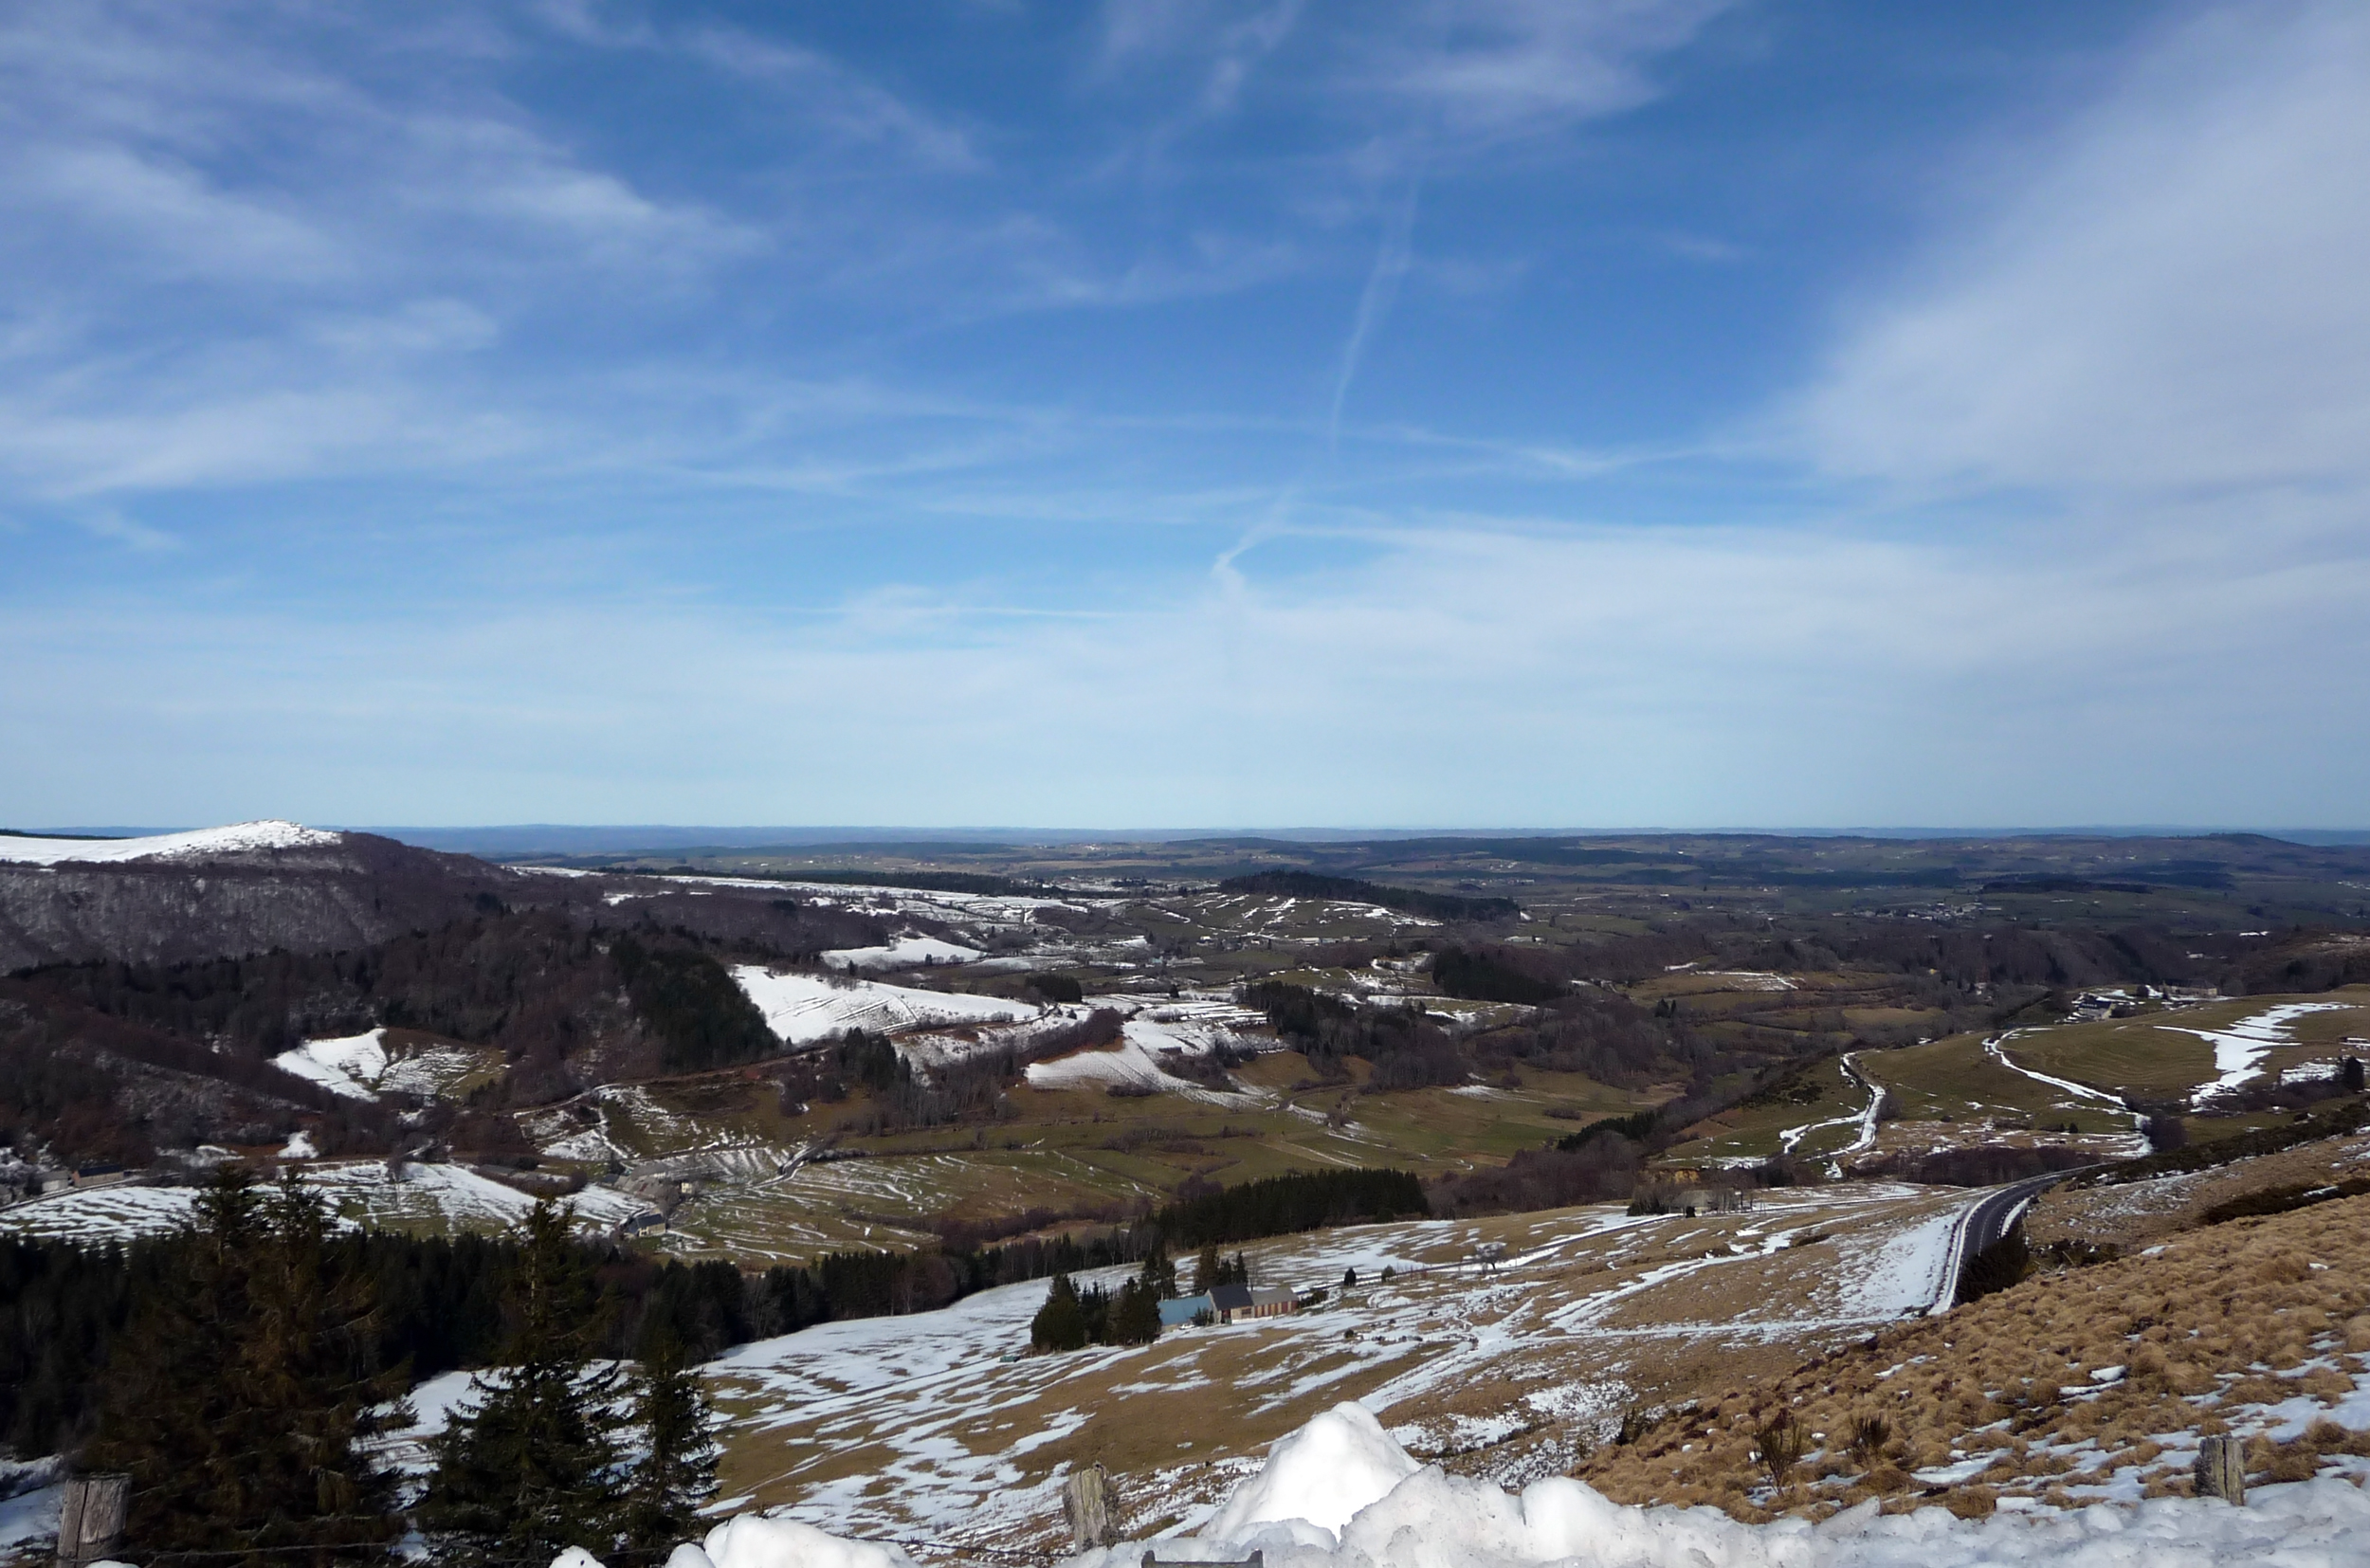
(351, 1065)
(2239, 1050)
(240, 838)
(904, 953)
(802, 1009)
(1905, 1272)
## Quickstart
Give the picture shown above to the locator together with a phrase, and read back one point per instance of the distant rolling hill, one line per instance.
(222, 892)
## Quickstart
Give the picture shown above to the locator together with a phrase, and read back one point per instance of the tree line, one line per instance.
(439, 1301)
(438, 1309)
(1285, 1205)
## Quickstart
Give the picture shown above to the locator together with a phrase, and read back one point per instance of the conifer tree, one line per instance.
(1135, 1315)
(168, 1418)
(310, 1364)
(533, 1470)
(1061, 1323)
(1207, 1270)
(1159, 1270)
(239, 1400)
(677, 1470)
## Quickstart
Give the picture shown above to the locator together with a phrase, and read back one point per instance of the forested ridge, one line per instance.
(1406, 900)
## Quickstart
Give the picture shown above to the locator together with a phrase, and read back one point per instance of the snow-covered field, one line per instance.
(916, 1426)
(363, 1067)
(1340, 1492)
(433, 1198)
(102, 1214)
(350, 1064)
(1156, 1035)
(803, 1009)
(907, 952)
(626, 1122)
(240, 839)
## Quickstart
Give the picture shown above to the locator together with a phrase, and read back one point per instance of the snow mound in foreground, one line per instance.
(237, 839)
(754, 1541)
(1339, 1463)
(1338, 1493)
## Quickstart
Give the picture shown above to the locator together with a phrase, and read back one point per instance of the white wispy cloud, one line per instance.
(2164, 292)
(1485, 69)
(1464, 672)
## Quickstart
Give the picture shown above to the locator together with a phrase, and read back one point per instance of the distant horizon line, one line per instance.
(552, 837)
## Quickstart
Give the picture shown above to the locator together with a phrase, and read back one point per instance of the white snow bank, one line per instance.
(804, 1007)
(243, 837)
(350, 1064)
(904, 953)
(754, 1542)
(1325, 1474)
(1436, 1520)
(1907, 1269)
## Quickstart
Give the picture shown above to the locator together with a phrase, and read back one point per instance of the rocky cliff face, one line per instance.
(326, 892)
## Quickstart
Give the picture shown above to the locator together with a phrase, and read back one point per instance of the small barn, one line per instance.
(1241, 1303)
(1179, 1310)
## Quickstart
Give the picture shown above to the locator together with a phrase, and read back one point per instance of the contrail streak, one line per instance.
(1374, 302)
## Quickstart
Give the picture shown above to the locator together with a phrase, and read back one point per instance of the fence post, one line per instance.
(1085, 1497)
(2222, 1470)
(90, 1518)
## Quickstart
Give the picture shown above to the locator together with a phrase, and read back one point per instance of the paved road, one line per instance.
(1988, 1219)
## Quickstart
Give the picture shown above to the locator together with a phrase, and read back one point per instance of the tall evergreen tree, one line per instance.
(168, 1419)
(533, 1470)
(677, 1470)
(238, 1402)
(1159, 1270)
(1135, 1315)
(1061, 1323)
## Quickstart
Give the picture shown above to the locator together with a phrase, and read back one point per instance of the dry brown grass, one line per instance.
(2143, 1212)
(1995, 1378)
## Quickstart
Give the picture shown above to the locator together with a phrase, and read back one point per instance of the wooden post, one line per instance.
(1085, 1497)
(90, 1518)
(2222, 1470)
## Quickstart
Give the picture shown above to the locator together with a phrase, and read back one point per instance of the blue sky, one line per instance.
(1550, 412)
